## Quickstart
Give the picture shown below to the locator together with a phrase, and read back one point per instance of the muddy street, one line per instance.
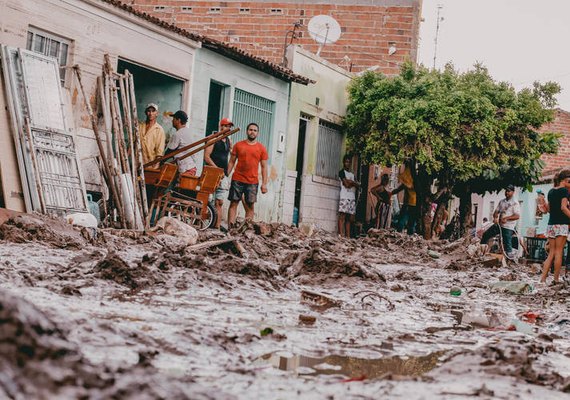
(269, 311)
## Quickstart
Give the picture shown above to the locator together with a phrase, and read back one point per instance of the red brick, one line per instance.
(367, 29)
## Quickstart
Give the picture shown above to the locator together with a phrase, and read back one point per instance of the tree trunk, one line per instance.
(465, 216)
(422, 185)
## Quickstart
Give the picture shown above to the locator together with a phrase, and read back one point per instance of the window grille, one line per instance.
(52, 46)
(329, 147)
(249, 107)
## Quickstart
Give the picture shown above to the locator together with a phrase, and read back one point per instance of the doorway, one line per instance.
(299, 165)
(156, 87)
(216, 103)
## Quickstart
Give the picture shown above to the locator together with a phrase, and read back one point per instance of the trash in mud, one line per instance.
(269, 332)
(455, 291)
(266, 331)
(513, 287)
(434, 254)
(354, 367)
(318, 301)
(521, 326)
(307, 319)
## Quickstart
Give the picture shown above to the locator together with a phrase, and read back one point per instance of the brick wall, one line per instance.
(561, 124)
(368, 29)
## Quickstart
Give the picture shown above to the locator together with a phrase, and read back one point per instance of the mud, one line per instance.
(126, 314)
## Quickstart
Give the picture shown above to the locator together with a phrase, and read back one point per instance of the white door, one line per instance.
(49, 169)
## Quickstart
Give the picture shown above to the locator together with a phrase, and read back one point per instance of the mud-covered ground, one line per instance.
(274, 314)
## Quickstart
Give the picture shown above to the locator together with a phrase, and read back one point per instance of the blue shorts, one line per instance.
(222, 190)
(240, 189)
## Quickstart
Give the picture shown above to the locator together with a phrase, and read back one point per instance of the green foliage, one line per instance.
(460, 128)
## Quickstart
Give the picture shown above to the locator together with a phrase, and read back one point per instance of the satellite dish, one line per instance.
(324, 29)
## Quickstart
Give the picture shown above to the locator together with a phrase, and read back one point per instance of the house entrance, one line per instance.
(156, 87)
(303, 122)
(216, 106)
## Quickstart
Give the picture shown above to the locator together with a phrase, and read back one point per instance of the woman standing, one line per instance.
(383, 207)
(557, 231)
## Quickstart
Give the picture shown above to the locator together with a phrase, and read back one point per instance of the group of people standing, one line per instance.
(408, 216)
(243, 159)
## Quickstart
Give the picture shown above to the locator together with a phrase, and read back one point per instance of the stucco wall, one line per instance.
(95, 29)
(212, 66)
(326, 100)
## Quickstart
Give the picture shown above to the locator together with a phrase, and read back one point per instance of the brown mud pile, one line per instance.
(127, 315)
(139, 276)
(37, 361)
(34, 228)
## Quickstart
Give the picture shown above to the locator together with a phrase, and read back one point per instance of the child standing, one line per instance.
(347, 202)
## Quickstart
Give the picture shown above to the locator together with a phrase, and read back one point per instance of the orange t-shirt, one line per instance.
(248, 158)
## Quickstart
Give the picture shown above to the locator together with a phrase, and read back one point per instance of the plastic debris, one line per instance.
(455, 291)
(514, 287)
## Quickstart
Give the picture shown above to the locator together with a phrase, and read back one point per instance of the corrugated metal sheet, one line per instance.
(248, 108)
(51, 178)
(329, 146)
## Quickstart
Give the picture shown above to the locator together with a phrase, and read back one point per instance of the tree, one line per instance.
(466, 131)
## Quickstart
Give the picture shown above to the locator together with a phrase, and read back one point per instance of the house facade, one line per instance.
(231, 87)
(82, 32)
(380, 33)
(172, 68)
(315, 143)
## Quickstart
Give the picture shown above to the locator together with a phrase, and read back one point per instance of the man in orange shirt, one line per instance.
(249, 155)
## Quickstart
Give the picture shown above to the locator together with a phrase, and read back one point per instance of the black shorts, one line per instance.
(239, 189)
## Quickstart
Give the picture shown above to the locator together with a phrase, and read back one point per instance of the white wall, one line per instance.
(96, 29)
(319, 196)
(212, 66)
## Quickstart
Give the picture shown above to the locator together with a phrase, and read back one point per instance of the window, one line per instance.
(50, 45)
(329, 146)
(159, 8)
(215, 10)
(276, 11)
(249, 107)
(244, 10)
(186, 9)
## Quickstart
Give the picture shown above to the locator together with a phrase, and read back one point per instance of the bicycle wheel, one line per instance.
(210, 219)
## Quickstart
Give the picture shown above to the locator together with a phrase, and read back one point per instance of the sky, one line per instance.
(519, 41)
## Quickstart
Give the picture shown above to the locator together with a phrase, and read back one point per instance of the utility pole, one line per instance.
(439, 7)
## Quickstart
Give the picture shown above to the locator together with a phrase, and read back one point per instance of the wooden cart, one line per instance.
(183, 196)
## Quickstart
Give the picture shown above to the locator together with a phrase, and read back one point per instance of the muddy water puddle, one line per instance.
(352, 367)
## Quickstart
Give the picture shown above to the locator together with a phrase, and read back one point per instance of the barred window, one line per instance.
(329, 147)
(249, 107)
(50, 45)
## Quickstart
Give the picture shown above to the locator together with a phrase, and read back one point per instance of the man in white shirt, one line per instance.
(505, 216)
(182, 137)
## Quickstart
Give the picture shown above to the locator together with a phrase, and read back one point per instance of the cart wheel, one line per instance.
(210, 219)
